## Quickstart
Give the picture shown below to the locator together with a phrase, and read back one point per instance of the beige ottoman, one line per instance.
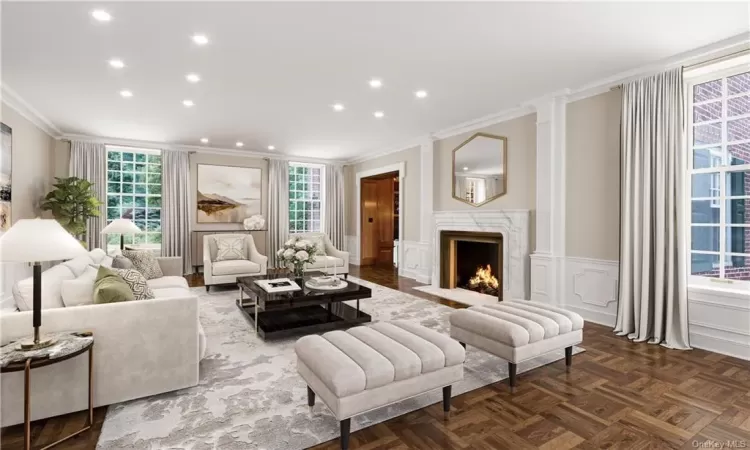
(518, 330)
(368, 367)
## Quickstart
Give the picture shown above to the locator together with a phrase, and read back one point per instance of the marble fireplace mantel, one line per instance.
(513, 224)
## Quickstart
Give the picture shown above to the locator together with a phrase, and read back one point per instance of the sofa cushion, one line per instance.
(169, 281)
(52, 279)
(144, 262)
(97, 255)
(230, 248)
(325, 261)
(78, 265)
(236, 267)
(136, 282)
(121, 262)
(171, 292)
(81, 290)
(109, 287)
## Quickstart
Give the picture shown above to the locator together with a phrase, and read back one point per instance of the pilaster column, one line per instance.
(548, 259)
(427, 187)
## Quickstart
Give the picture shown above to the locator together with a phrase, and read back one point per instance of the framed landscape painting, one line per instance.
(6, 165)
(227, 194)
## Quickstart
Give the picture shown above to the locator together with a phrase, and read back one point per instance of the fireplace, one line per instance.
(472, 260)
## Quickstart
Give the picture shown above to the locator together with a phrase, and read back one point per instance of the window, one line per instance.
(719, 136)
(134, 192)
(306, 197)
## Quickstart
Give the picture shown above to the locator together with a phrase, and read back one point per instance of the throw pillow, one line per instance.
(137, 283)
(230, 248)
(107, 261)
(144, 262)
(319, 244)
(79, 291)
(109, 287)
(121, 262)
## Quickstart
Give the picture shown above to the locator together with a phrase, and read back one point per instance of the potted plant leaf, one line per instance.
(72, 202)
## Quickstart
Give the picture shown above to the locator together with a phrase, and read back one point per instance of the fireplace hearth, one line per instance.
(473, 261)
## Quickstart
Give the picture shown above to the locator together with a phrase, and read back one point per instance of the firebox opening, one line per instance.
(477, 267)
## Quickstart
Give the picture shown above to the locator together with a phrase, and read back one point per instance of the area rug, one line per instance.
(250, 397)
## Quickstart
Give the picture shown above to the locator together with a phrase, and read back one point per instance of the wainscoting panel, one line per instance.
(591, 289)
(543, 278)
(720, 321)
(352, 246)
(417, 261)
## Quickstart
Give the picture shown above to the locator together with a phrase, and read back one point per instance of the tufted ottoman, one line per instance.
(518, 330)
(367, 367)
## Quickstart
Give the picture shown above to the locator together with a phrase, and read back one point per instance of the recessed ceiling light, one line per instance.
(421, 94)
(188, 103)
(466, 168)
(200, 39)
(271, 147)
(375, 83)
(101, 15)
(126, 93)
(116, 63)
(204, 140)
(338, 107)
(378, 114)
(239, 144)
(193, 77)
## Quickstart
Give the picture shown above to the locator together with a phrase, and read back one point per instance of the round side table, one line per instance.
(67, 346)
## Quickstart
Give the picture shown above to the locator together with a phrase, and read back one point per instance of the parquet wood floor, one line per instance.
(618, 395)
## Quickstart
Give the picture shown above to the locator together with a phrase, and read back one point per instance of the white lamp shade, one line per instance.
(32, 240)
(121, 226)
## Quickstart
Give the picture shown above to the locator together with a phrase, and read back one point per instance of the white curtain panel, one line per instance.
(278, 207)
(88, 160)
(334, 201)
(176, 207)
(653, 254)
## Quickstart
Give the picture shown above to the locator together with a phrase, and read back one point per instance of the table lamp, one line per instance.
(34, 241)
(123, 227)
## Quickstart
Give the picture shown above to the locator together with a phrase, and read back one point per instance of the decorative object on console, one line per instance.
(297, 252)
(121, 227)
(480, 169)
(144, 262)
(72, 202)
(6, 167)
(256, 222)
(34, 241)
(228, 194)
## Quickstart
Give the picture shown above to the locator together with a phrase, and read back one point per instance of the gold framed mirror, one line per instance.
(480, 169)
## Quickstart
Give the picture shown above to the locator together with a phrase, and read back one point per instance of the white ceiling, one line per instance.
(272, 70)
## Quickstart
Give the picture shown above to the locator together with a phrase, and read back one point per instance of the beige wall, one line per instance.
(32, 166)
(61, 159)
(521, 194)
(409, 204)
(593, 177)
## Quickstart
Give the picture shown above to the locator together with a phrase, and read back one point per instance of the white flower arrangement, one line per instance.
(297, 252)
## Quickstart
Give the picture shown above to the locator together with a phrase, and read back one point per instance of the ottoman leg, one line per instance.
(310, 397)
(447, 401)
(512, 376)
(345, 426)
(568, 358)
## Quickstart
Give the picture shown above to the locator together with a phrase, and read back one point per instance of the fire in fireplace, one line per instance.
(472, 260)
(484, 281)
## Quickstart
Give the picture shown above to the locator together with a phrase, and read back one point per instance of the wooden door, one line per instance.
(385, 222)
(369, 222)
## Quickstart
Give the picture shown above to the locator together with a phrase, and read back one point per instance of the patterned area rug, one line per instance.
(250, 396)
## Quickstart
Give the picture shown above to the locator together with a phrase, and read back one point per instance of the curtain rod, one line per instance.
(718, 59)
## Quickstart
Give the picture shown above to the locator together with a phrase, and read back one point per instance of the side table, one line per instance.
(67, 346)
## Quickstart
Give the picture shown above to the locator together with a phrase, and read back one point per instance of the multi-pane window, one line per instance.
(720, 176)
(134, 192)
(306, 196)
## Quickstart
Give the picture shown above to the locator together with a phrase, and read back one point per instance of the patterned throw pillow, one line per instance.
(319, 245)
(144, 262)
(230, 248)
(137, 283)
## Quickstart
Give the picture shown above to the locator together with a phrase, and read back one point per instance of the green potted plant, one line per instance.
(72, 202)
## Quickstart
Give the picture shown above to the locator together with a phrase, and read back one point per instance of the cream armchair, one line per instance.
(226, 272)
(335, 260)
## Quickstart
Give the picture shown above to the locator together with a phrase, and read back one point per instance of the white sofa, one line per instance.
(141, 348)
(335, 260)
(226, 272)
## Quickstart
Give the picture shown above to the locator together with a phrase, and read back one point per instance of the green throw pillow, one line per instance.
(110, 287)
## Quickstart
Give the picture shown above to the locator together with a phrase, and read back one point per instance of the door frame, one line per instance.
(401, 169)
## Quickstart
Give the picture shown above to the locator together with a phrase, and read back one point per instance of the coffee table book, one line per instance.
(278, 285)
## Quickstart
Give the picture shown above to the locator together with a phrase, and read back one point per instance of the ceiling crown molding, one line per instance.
(22, 107)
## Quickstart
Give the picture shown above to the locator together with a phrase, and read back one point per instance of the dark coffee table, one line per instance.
(305, 311)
